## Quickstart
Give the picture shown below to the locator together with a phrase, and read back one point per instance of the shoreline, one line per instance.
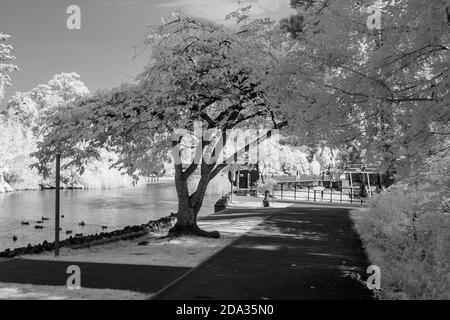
(86, 241)
(18, 219)
(162, 260)
(141, 184)
(155, 249)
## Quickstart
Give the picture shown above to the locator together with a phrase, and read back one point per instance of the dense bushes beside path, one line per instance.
(406, 231)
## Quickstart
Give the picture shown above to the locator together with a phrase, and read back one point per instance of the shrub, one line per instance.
(407, 233)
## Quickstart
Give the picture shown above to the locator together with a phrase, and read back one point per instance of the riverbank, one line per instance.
(155, 249)
(152, 253)
(78, 186)
(111, 208)
(307, 252)
(80, 241)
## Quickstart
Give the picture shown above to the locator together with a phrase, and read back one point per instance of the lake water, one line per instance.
(115, 208)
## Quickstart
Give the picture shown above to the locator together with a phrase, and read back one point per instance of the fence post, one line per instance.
(331, 194)
(321, 194)
(351, 195)
(315, 195)
(231, 192)
(281, 191)
(57, 201)
(341, 194)
(295, 191)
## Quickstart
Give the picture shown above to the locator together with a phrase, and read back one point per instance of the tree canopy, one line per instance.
(197, 72)
(30, 107)
(381, 92)
(21, 121)
(384, 92)
(6, 64)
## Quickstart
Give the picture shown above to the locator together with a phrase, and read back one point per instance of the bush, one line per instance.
(407, 233)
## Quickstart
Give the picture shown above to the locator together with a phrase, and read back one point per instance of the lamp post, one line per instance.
(57, 201)
(232, 179)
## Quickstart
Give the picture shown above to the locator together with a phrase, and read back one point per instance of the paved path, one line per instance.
(146, 279)
(296, 253)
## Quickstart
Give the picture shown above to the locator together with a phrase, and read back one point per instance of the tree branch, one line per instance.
(217, 170)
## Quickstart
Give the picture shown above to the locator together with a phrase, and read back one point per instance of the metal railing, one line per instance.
(318, 194)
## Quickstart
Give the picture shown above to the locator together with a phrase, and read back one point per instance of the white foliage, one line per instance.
(7, 64)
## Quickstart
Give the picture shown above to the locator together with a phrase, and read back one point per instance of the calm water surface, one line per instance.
(115, 208)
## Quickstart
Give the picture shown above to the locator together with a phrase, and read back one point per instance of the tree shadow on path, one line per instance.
(295, 253)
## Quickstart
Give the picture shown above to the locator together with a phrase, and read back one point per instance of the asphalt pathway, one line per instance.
(296, 253)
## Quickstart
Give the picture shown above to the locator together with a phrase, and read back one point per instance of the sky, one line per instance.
(102, 50)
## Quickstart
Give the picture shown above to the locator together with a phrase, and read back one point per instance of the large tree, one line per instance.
(198, 73)
(381, 90)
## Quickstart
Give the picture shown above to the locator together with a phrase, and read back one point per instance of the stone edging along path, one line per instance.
(127, 233)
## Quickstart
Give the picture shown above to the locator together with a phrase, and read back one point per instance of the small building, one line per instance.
(245, 177)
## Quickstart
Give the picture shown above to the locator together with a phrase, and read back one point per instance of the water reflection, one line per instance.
(115, 208)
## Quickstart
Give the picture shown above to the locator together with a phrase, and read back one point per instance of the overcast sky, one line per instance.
(102, 51)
